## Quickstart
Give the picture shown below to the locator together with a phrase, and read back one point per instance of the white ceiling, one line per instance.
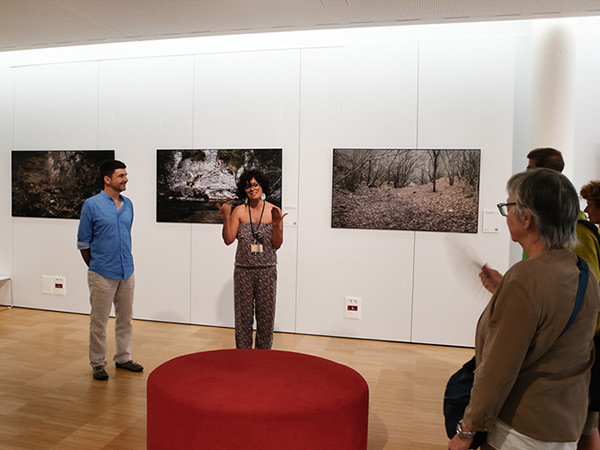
(26, 24)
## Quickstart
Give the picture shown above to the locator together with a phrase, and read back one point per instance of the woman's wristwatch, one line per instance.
(464, 434)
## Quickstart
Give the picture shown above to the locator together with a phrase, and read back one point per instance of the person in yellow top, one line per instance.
(587, 230)
(589, 249)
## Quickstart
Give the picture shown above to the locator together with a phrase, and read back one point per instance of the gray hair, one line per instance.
(552, 201)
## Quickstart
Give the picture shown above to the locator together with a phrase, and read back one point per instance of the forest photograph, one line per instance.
(406, 189)
(190, 183)
(55, 183)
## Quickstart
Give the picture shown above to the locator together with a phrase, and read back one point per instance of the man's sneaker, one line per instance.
(99, 373)
(130, 365)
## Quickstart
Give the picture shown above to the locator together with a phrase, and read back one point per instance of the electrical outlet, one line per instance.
(352, 307)
(54, 285)
(60, 286)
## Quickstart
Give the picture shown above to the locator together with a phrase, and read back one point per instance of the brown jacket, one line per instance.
(528, 376)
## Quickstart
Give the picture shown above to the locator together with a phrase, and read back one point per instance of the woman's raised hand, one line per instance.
(276, 216)
(225, 208)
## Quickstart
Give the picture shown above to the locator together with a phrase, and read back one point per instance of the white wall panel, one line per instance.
(56, 107)
(353, 97)
(48, 247)
(6, 144)
(466, 89)
(212, 277)
(587, 107)
(245, 100)
(146, 104)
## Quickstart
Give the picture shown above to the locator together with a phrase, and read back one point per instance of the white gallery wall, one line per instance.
(587, 101)
(6, 143)
(470, 106)
(245, 100)
(307, 93)
(358, 96)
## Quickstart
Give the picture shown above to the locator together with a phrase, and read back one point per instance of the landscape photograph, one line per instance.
(190, 183)
(55, 183)
(406, 189)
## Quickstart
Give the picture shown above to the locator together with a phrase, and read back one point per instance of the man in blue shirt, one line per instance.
(104, 239)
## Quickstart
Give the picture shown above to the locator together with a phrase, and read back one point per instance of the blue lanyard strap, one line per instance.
(583, 281)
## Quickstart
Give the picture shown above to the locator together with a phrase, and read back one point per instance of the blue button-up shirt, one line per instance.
(107, 233)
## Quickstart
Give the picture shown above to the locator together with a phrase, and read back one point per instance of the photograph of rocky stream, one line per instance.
(190, 183)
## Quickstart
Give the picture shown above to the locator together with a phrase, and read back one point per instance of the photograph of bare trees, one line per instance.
(406, 189)
(55, 183)
(190, 183)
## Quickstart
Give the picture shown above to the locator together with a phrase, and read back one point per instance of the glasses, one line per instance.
(503, 208)
(252, 185)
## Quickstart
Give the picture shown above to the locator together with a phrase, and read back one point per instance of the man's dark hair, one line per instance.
(107, 168)
(547, 157)
(246, 177)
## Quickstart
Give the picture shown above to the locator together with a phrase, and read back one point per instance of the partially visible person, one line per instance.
(591, 194)
(258, 227)
(588, 238)
(533, 372)
(589, 248)
(545, 157)
(104, 239)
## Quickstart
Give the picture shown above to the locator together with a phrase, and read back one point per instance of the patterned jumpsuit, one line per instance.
(255, 286)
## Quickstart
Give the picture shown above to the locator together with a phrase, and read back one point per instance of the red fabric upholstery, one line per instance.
(256, 399)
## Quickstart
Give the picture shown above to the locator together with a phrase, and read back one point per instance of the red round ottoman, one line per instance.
(256, 399)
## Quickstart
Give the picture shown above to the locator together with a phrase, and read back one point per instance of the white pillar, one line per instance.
(554, 43)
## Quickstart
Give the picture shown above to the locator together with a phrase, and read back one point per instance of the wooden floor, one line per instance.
(48, 399)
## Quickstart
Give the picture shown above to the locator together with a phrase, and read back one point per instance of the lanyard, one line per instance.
(254, 235)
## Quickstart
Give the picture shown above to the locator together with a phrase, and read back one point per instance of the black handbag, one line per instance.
(458, 389)
(456, 399)
(595, 379)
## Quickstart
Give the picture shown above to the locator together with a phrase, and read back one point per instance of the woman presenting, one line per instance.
(258, 227)
(531, 383)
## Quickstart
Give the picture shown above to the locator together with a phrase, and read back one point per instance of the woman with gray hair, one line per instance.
(533, 371)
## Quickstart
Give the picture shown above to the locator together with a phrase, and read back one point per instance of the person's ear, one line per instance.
(526, 218)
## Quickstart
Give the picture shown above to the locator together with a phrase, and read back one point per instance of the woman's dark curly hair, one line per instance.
(591, 192)
(244, 182)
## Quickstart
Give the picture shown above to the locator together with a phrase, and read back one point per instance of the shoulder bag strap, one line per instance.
(581, 288)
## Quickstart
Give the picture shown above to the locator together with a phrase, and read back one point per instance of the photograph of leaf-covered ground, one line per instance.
(406, 189)
(55, 183)
(190, 183)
